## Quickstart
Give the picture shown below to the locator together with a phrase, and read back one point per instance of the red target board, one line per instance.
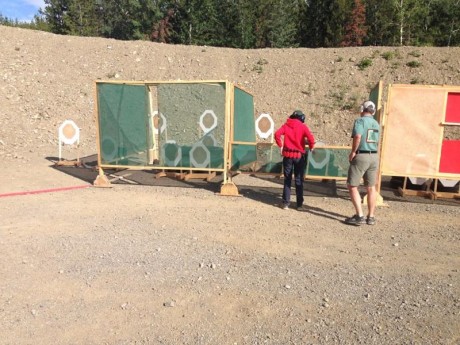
(453, 108)
(450, 157)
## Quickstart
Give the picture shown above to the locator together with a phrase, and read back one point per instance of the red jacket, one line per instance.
(296, 136)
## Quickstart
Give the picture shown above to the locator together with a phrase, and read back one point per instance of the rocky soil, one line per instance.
(167, 262)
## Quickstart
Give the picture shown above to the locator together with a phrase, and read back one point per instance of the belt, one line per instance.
(361, 151)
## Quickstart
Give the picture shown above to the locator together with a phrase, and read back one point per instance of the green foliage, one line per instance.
(258, 67)
(111, 75)
(415, 53)
(324, 23)
(413, 64)
(389, 55)
(356, 29)
(364, 63)
(38, 23)
(252, 24)
(341, 99)
(395, 65)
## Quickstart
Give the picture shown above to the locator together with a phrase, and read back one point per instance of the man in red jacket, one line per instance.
(295, 136)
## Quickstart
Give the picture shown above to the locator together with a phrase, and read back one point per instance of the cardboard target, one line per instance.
(208, 121)
(264, 126)
(109, 148)
(448, 183)
(200, 156)
(172, 153)
(69, 133)
(418, 181)
(319, 158)
(209, 140)
(156, 121)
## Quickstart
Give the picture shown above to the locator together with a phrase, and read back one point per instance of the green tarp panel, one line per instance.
(244, 125)
(244, 130)
(243, 157)
(322, 162)
(328, 162)
(122, 124)
(195, 120)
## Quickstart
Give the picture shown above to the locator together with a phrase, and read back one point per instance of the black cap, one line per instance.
(299, 115)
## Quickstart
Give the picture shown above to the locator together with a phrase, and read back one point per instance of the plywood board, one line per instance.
(413, 131)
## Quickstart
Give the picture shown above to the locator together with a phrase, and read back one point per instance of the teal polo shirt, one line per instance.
(369, 129)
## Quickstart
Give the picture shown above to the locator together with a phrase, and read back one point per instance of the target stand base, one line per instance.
(67, 163)
(229, 189)
(102, 181)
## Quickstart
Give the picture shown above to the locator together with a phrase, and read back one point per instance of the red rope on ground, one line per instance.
(50, 190)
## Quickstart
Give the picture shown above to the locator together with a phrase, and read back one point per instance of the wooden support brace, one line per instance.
(208, 176)
(172, 174)
(122, 178)
(67, 163)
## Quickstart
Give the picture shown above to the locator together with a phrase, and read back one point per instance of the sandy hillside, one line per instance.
(48, 78)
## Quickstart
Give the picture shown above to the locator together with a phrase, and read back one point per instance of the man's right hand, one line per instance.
(351, 156)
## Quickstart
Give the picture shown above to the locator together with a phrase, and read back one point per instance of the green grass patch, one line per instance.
(388, 55)
(364, 63)
(413, 64)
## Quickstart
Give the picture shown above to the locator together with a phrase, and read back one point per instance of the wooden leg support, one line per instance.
(378, 200)
(229, 189)
(102, 181)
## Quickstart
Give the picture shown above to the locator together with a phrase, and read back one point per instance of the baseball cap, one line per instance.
(298, 114)
(368, 106)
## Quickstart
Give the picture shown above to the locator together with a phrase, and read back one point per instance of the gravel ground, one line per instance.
(162, 264)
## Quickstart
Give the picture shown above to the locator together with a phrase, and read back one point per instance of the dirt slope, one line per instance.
(48, 78)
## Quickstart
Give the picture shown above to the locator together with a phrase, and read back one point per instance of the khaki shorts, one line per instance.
(364, 165)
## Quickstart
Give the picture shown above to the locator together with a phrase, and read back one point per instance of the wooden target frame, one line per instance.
(415, 120)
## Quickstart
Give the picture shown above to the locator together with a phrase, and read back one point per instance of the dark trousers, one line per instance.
(298, 165)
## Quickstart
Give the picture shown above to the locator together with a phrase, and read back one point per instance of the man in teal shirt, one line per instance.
(364, 161)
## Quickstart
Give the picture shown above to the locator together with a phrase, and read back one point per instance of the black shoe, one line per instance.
(355, 220)
(370, 220)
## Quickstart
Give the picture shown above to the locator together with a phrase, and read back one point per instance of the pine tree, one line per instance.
(381, 23)
(56, 13)
(325, 20)
(355, 30)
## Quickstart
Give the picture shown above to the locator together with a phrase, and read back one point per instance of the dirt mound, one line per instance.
(48, 78)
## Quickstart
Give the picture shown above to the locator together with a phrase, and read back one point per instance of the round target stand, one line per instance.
(69, 134)
(264, 126)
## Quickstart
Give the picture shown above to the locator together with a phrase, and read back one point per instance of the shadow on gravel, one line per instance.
(88, 172)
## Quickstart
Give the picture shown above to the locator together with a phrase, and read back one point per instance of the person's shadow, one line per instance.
(312, 189)
(322, 213)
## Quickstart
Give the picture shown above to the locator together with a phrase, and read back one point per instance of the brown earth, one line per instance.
(168, 262)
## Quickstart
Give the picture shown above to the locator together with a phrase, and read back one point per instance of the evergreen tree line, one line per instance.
(256, 23)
